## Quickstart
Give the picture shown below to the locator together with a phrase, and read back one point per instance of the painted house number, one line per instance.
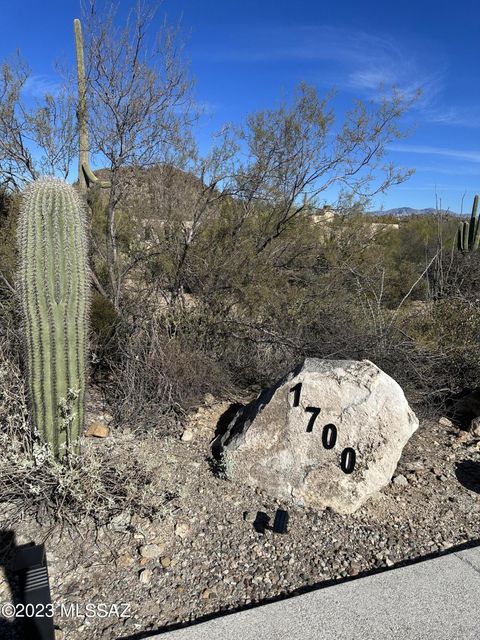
(329, 433)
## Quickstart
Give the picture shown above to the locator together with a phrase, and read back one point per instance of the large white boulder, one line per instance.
(329, 434)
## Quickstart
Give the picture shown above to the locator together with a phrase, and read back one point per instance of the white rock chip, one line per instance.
(329, 434)
(475, 427)
(151, 551)
(145, 576)
(445, 422)
(182, 530)
(187, 435)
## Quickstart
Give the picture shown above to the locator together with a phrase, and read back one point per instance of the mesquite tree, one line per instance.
(138, 97)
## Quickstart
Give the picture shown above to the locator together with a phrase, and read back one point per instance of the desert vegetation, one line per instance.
(212, 273)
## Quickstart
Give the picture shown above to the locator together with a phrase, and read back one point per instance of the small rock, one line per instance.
(151, 551)
(145, 576)
(182, 530)
(187, 435)
(166, 562)
(206, 594)
(208, 399)
(120, 522)
(415, 466)
(463, 436)
(97, 430)
(400, 480)
(445, 422)
(125, 560)
(475, 427)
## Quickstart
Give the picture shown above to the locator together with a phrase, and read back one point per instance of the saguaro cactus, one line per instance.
(468, 234)
(86, 177)
(53, 287)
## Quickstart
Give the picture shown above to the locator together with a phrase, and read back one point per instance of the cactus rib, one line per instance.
(53, 287)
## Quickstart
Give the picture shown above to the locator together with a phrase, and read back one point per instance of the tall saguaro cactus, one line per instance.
(81, 107)
(86, 177)
(53, 286)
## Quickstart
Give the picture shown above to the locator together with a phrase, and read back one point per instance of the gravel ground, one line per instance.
(202, 554)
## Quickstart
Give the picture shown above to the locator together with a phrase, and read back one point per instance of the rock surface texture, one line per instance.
(329, 434)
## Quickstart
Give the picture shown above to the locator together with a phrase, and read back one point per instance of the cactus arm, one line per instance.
(471, 233)
(85, 174)
(476, 240)
(473, 224)
(459, 238)
(475, 221)
(91, 177)
(466, 231)
(475, 207)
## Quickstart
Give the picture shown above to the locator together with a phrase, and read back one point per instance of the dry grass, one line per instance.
(34, 483)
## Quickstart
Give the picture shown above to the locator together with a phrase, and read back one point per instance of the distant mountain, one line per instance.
(408, 211)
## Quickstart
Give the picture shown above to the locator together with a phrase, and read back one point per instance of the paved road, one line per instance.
(437, 599)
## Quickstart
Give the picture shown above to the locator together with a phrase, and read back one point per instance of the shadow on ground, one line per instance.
(468, 474)
(20, 565)
(10, 627)
(306, 589)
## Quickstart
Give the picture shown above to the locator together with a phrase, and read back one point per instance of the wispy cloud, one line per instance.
(450, 170)
(434, 188)
(40, 85)
(456, 116)
(457, 154)
(208, 108)
(358, 60)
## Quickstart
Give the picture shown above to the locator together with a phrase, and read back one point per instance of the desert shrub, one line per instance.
(456, 329)
(104, 332)
(34, 483)
(461, 276)
(159, 376)
(13, 402)
(8, 242)
(311, 292)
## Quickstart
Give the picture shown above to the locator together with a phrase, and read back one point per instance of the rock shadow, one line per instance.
(468, 474)
(463, 406)
(238, 417)
(222, 427)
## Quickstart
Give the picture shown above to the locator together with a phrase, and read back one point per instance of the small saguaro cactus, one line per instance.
(468, 234)
(53, 289)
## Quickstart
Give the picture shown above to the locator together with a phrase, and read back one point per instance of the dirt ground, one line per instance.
(200, 553)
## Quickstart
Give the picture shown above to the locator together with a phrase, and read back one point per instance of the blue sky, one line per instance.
(249, 55)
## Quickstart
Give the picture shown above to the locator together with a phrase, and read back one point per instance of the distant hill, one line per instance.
(409, 211)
